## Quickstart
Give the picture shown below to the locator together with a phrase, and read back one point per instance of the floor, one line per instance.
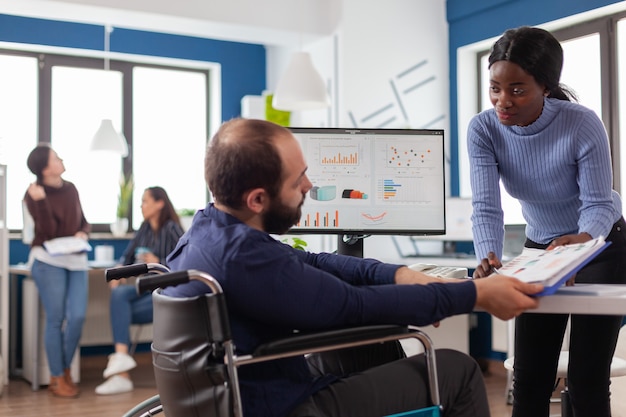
(19, 400)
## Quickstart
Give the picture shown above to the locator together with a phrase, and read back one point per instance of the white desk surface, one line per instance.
(586, 299)
(461, 262)
(568, 300)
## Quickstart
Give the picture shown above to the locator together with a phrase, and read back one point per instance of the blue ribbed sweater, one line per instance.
(558, 168)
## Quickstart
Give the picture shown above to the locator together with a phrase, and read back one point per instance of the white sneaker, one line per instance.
(115, 385)
(118, 363)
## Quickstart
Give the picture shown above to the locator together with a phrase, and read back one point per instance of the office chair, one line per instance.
(618, 368)
(194, 359)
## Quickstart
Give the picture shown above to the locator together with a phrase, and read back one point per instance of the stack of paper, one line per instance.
(553, 267)
(66, 245)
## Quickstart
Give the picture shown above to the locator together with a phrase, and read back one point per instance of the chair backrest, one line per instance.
(187, 354)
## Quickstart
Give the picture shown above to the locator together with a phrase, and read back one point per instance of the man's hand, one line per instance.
(406, 275)
(505, 297)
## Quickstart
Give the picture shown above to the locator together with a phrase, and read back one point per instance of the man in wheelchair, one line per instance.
(257, 175)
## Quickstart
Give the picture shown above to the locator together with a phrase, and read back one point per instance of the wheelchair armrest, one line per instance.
(332, 339)
(342, 338)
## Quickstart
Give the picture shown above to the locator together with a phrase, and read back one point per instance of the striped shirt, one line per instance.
(160, 243)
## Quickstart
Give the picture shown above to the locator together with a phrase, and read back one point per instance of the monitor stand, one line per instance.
(351, 245)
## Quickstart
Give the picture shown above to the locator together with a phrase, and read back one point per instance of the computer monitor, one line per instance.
(373, 181)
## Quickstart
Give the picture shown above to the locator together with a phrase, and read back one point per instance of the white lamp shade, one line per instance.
(301, 86)
(108, 139)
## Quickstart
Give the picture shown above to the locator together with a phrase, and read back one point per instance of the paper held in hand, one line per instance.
(554, 267)
(66, 245)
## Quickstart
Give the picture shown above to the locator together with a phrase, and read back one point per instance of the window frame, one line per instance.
(606, 27)
(47, 60)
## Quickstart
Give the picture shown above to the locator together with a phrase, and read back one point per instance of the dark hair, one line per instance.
(38, 159)
(242, 156)
(538, 53)
(167, 212)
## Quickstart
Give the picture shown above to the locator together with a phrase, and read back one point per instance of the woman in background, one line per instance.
(61, 280)
(553, 156)
(156, 238)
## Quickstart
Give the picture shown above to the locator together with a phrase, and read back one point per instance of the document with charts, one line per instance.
(66, 245)
(553, 267)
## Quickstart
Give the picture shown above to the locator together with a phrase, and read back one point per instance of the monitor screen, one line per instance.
(373, 181)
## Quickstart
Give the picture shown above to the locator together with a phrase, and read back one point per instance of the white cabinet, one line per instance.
(4, 282)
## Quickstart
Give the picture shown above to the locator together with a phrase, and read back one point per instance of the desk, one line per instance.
(96, 329)
(578, 300)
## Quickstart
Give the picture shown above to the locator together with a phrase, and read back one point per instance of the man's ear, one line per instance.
(257, 200)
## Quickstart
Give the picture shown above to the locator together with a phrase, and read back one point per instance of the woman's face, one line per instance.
(515, 94)
(150, 208)
(55, 165)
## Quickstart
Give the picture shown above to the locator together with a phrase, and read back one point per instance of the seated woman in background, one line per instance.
(156, 238)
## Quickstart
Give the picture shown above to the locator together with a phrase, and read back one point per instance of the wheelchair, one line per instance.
(193, 354)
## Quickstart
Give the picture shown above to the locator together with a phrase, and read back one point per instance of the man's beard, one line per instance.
(279, 218)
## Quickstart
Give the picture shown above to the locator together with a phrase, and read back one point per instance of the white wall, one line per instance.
(363, 49)
(374, 46)
(267, 22)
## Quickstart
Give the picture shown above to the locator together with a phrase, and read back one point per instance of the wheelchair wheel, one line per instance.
(150, 407)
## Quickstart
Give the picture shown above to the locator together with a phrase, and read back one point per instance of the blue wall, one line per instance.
(242, 65)
(18, 251)
(476, 20)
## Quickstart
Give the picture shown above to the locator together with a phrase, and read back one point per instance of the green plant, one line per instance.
(296, 243)
(186, 212)
(125, 196)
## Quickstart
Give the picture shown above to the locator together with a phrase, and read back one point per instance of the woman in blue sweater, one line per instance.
(553, 156)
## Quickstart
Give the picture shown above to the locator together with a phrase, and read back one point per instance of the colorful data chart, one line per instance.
(390, 189)
(339, 155)
(353, 194)
(373, 219)
(320, 219)
(399, 157)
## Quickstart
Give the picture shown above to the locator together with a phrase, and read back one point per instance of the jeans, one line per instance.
(126, 308)
(63, 294)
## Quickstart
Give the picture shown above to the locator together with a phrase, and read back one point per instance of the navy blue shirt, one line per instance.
(273, 289)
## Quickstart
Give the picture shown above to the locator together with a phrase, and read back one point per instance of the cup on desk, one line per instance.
(140, 252)
(104, 254)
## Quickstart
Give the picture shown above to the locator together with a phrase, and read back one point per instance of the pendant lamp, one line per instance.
(301, 86)
(107, 139)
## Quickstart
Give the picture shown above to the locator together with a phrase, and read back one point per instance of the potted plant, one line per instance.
(186, 216)
(296, 242)
(120, 226)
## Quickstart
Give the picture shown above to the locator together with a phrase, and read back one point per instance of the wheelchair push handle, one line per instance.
(134, 270)
(150, 283)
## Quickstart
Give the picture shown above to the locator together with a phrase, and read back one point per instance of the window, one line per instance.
(587, 72)
(171, 105)
(621, 97)
(162, 110)
(18, 128)
(80, 99)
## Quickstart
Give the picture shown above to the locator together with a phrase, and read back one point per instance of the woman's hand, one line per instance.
(148, 257)
(114, 283)
(82, 235)
(36, 192)
(487, 265)
(567, 239)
